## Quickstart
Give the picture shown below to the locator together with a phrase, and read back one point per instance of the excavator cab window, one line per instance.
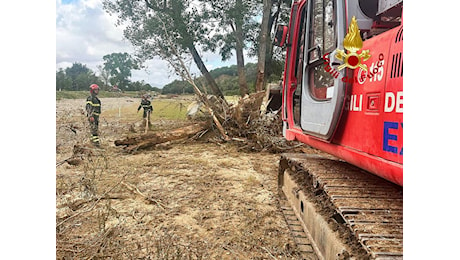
(322, 37)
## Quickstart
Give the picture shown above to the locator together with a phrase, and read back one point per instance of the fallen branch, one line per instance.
(136, 190)
(149, 140)
(266, 250)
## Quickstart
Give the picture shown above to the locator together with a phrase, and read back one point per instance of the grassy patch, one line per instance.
(169, 109)
(162, 109)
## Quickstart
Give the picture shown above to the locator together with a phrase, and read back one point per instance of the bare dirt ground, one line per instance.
(185, 200)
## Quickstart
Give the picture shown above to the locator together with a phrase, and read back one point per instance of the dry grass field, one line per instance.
(189, 199)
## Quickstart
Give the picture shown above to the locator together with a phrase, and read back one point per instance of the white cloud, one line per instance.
(85, 33)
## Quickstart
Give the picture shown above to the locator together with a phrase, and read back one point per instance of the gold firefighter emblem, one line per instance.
(353, 43)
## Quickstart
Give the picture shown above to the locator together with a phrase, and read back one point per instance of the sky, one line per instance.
(85, 33)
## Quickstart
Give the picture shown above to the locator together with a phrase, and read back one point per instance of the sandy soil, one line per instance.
(188, 199)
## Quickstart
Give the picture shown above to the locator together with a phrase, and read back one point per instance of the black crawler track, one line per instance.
(303, 242)
(363, 211)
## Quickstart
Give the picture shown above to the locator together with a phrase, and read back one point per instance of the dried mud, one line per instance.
(187, 199)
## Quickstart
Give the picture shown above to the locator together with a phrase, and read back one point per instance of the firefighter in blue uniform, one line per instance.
(93, 111)
(147, 106)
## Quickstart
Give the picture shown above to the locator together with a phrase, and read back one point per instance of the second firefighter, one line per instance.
(147, 106)
(93, 111)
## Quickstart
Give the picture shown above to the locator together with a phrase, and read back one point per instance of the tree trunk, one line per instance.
(199, 63)
(190, 44)
(238, 30)
(202, 67)
(244, 90)
(272, 22)
(149, 140)
(263, 45)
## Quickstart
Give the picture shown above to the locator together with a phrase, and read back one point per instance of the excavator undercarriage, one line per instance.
(338, 211)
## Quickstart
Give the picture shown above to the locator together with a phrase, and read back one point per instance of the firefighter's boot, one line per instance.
(95, 140)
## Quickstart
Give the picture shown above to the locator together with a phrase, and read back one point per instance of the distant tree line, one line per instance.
(226, 78)
(79, 77)
(116, 71)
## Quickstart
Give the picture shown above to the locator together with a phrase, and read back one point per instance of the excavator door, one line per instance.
(322, 84)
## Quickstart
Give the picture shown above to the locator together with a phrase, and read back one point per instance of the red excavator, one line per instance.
(342, 94)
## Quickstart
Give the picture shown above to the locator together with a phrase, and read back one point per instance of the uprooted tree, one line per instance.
(239, 119)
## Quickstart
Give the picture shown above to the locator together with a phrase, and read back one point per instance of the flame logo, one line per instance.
(353, 43)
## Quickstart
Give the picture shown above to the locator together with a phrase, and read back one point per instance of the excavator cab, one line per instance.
(314, 85)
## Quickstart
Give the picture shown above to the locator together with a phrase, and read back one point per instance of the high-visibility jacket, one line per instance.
(93, 106)
(146, 105)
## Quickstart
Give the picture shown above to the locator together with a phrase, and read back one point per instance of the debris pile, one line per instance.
(247, 123)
